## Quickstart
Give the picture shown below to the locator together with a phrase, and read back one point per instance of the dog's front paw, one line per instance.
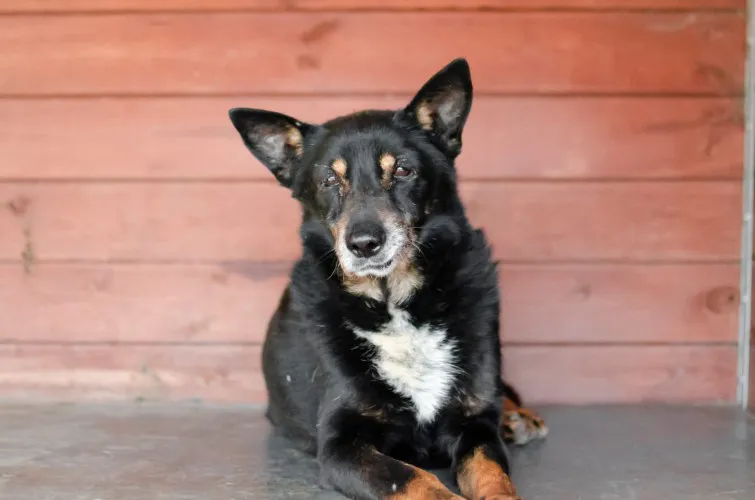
(425, 486)
(520, 426)
(441, 494)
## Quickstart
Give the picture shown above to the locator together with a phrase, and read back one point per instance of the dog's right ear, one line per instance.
(277, 140)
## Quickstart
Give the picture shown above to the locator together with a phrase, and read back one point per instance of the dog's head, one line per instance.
(372, 177)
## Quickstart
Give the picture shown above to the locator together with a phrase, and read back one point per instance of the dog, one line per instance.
(383, 357)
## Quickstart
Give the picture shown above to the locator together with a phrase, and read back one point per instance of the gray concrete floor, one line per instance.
(199, 452)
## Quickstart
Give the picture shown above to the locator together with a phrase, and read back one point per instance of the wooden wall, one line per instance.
(603, 156)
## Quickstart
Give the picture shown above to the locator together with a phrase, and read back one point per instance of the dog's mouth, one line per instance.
(379, 265)
(378, 269)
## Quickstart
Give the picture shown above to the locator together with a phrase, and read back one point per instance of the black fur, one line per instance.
(324, 392)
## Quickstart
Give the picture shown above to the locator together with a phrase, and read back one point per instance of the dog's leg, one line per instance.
(519, 425)
(351, 463)
(359, 471)
(481, 464)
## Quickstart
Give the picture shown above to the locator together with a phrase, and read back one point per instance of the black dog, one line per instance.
(384, 354)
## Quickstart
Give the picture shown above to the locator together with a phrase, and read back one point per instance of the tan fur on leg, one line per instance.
(520, 426)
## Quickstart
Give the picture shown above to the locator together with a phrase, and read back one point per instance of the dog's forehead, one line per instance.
(360, 120)
(362, 135)
(362, 149)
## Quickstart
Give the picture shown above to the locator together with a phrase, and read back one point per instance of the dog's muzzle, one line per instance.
(370, 247)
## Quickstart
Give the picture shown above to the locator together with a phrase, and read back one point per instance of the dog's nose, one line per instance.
(365, 239)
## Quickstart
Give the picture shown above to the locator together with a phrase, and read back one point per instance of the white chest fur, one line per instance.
(417, 362)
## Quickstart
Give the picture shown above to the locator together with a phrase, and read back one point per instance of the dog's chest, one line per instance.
(418, 362)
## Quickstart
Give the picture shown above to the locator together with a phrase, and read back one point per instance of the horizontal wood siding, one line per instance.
(142, 249)
(315, 5)
(232, 372)
(225, 303)
(258, 221)
(506, 137)
(300, 53)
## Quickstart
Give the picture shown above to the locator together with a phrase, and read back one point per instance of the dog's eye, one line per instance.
(330, 180)
(402, 172)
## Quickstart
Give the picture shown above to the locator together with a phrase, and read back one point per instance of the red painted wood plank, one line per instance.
(526, 221)
(139, 303)
(627, 374)
(511, 4)
(506, 137)
(231, 373)
(180, 5)
(233, 303)
(634, 221)
(303, 52)
(610, 303)
(70, 372)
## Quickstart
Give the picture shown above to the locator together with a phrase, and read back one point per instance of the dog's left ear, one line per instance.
(442, 105)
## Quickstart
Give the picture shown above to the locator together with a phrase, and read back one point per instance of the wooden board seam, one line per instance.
(10, 12)
(259, 95)
(480, 181)
(500, 262)
(576, 344)
(256, 180)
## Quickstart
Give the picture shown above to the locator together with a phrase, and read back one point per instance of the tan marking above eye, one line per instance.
(387, 161)
(339, 166)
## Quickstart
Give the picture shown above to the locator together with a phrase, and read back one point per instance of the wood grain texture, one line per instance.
(506, 137)
(577, 374)
(616, 221)
(628, 374)
(234, 302)
(303, 52)
(525, 221)
(139, 303)
(230, 373)
(149, 5)
(610, 303)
